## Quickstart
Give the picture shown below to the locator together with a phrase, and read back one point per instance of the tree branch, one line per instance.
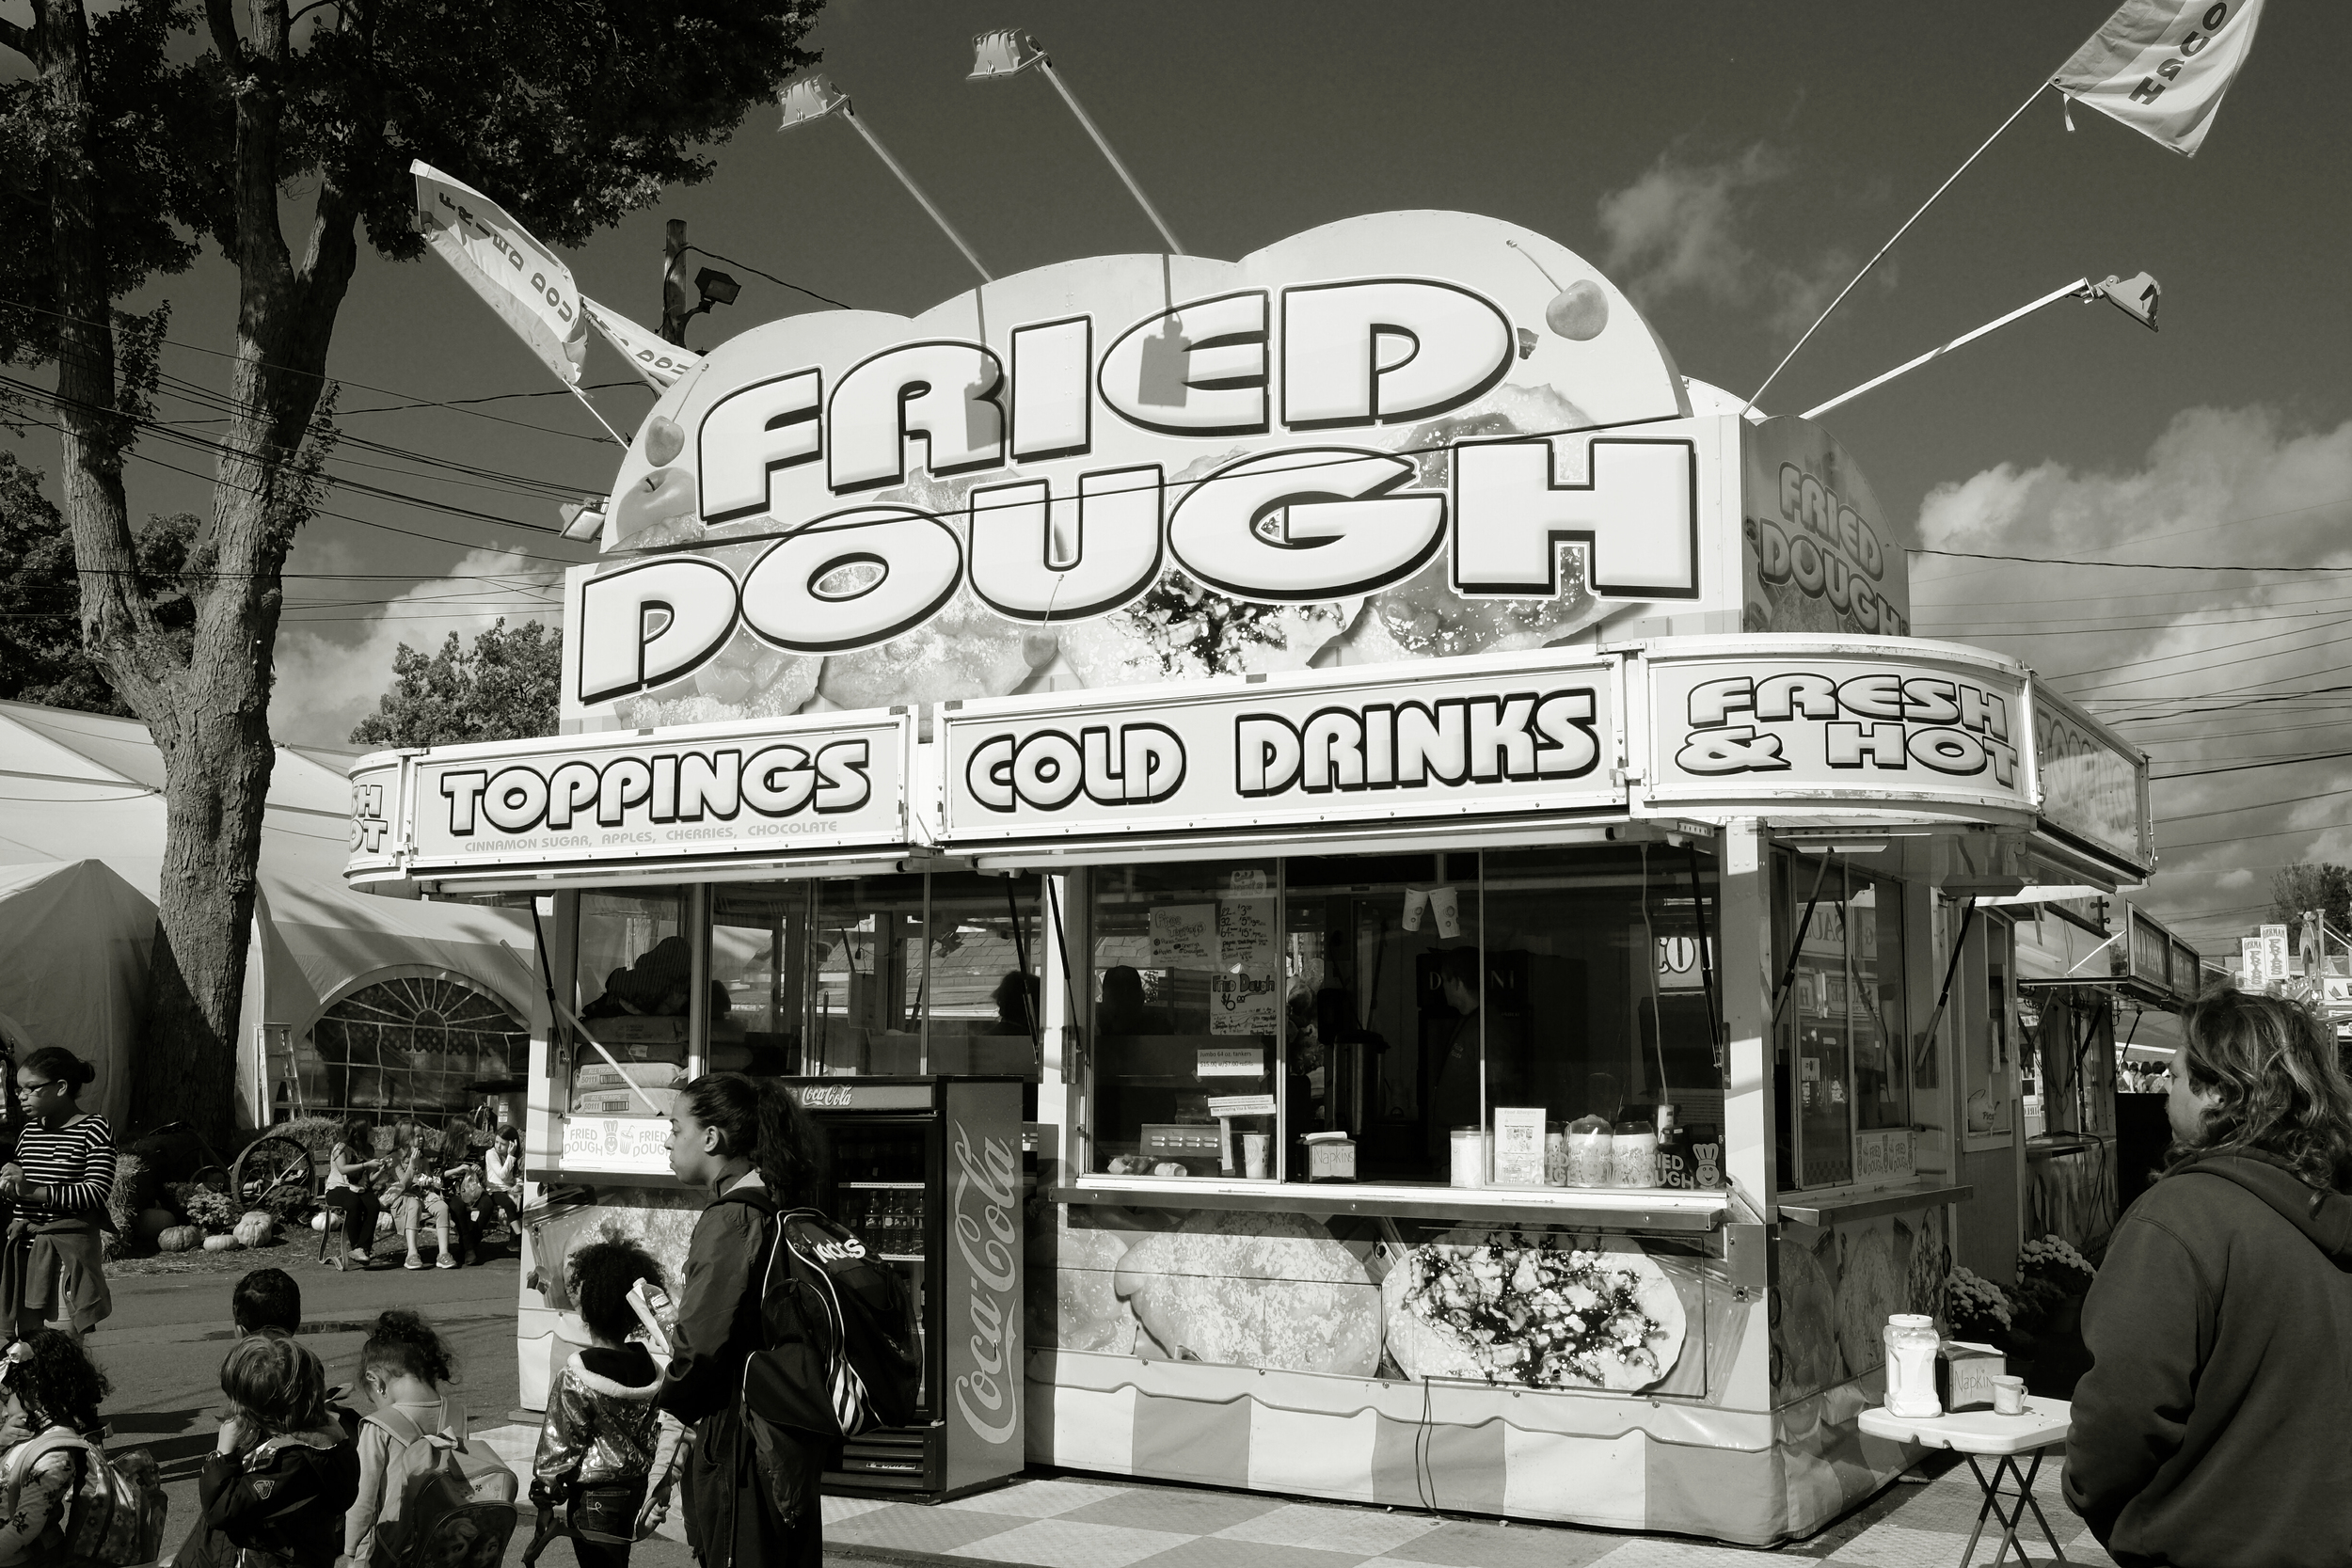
(17, 36)
(221, 15)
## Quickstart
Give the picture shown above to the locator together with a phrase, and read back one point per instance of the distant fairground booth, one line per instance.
(1371, 885)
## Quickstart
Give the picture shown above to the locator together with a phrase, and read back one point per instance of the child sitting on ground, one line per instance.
(403, 1366)
(601, 1446)
(266, 1298)
(278, 1482)
(46, 1386)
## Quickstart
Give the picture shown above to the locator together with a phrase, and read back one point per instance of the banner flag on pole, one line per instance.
(659, 362)
(526, 283)
(2161, 66)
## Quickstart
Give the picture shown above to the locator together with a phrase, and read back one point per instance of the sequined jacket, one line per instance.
(602, 1416)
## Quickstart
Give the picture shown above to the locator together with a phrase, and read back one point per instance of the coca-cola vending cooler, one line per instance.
(928, 1172)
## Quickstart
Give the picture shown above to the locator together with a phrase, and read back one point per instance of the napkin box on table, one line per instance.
(1964, 1374)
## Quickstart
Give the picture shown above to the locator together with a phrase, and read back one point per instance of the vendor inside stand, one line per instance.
(1395, 1002)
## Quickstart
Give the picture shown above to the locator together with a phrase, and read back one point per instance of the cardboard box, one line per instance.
(1964, 1374)
(624, 1103)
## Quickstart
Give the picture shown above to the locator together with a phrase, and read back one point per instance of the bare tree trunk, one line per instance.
(207, 707)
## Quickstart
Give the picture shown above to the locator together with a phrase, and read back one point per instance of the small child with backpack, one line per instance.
(601, 1449)
(60, 1499)
(275, 1489)
(425, 1497)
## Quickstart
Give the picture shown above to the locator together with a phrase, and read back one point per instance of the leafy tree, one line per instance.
(2322, 886)
(42, 656)
(503, 689)
(149, 128)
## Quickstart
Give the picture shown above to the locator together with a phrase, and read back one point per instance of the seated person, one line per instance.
(1121, 1009)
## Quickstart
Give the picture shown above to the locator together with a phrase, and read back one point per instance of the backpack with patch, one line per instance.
(114, 1514)
(444, 1502)
(841, 1353)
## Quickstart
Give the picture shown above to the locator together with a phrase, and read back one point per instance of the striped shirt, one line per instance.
(75, 1164)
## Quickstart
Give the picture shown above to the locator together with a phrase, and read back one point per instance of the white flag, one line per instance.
(2161, 66)
(524, 282)
(661, 363)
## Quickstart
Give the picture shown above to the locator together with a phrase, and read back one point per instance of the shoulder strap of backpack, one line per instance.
(18, 1466)
(402, 1430)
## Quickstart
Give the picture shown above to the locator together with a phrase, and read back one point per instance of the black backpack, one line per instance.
(840, 1353)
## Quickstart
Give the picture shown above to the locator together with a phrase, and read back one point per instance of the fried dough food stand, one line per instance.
(1446, 812)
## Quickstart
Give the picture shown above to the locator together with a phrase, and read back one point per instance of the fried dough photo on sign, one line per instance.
(1436, 1316)
(1073, 1270)
(1805, 1318)
(1275, 1292)
(1870, 1291)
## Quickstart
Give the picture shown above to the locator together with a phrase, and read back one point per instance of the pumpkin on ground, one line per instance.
(254, 1228)
(221, 1244)
(179, 1238)
(153, 1223)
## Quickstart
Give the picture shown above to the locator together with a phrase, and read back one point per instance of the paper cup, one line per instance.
(1253, 1147)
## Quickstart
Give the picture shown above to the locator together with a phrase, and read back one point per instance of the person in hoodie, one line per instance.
(274, 1491)
(2209, 1431)
(602, 1443)
(751, 1487)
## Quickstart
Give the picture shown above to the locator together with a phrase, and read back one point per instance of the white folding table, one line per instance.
(1973, 1432)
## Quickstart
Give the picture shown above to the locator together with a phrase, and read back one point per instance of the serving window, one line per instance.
(1461, 1019)
(1843, 1070)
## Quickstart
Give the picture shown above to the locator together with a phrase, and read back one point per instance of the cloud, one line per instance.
(1679, 229)
(2206, 670)
(335, 658)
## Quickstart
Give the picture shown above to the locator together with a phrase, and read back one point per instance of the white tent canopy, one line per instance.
(81, 787)
(76, 939)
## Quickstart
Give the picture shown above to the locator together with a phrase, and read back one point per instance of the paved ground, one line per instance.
(162, 1349)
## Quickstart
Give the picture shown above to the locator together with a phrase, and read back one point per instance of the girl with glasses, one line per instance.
(53, 1266)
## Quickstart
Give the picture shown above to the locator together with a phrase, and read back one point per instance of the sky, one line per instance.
(1728, 164)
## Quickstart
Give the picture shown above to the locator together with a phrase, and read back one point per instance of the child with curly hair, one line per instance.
(47, 1387)
(604, 1442)
(275, 1487)
(403, 1366)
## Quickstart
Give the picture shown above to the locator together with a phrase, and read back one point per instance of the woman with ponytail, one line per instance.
(60, 1176)
(751, 1488)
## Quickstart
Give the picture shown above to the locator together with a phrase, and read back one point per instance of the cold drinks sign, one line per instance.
(1405, 435)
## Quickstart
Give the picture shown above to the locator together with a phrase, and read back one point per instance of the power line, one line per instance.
(2121, 566)
(600, 439)
(2250, 767)
(771, 277)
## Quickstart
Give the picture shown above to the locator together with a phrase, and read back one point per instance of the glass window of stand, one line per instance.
(876, 976)
(636, 985)
(1435, 1019)
(1842, 1074)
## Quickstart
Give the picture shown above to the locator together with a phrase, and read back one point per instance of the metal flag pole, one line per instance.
(812, 98)
(1008, 51)
(573, 388)
(1890, 243)
(2082, 289)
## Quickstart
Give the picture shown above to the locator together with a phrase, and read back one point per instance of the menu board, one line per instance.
(1242, 1002)
(1244, 934)
(1184, 936)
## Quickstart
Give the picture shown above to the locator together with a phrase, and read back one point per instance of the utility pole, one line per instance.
(676, 305)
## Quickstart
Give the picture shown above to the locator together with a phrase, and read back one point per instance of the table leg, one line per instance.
(2056, 1551)
(2009, 1518)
